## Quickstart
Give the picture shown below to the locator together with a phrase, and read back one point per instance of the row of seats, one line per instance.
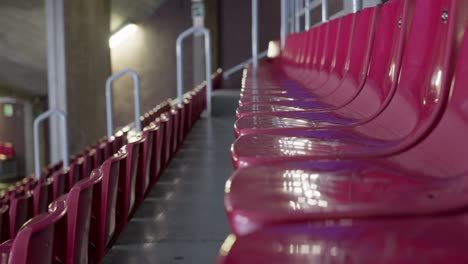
(351, 145)
(72, 215)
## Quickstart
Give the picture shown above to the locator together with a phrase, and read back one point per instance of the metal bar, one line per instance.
(136, 99)
(180, 39)
(297, 16)
(291, 19)
(255, 34)
(357, 5)
(64, 139)
(284, 22)
(56, 65)
(241, 65)
(307, 14)
(325, 10)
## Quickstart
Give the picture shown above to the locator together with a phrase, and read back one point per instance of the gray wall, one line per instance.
(151, 52)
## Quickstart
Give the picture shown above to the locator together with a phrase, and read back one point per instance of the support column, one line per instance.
(56, 73)
(78, 66)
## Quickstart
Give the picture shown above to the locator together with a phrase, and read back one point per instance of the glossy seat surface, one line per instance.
(34, 242)
(345, 88)
(428, 178)
(423, 90)
(423, 240)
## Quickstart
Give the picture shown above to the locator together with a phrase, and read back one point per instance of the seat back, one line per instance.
(443, 153)
(103, 212)
(426, 73)
(60, 182)
(33, 244)
(43, 195)
(385, 62)
(148, 152)
(75, 230)
(21, 210)
(356, 60)
(4, 223)
(76, 172)
(134, 148)
(89, 162)
(175, 117)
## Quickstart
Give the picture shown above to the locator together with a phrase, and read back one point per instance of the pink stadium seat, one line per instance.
(128, 181)
(147, 162)
(103, 214)
(427, 177)
(74, 229)
(35, 240)
(76, 172)
(43, 195)
(373, 95)
(60, 183)
(423, 90)
(21, 210)
(357, 35)
(424, 240)
(174, 143)
(4, 223)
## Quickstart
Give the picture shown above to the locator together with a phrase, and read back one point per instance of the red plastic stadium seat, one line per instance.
(348, 83)
(428, 177)
(43, 195)
(21, 210)
(423, 90)
(103, 216)
(35, 240)
(148, 155)
(128, 181)
(75, 229)
(426, 240)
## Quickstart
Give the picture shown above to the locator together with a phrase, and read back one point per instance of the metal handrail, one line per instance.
(255, 34)
(64, 138)
(180, 39)
(136, 99)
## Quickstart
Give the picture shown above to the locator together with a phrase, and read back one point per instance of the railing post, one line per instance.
(307, 14)
(179, 55)
(136, 99)
(357, 5)
(64, 139)
(324, 10)
(255, 34)
(292, 14)
(297, 16)
(284, 22)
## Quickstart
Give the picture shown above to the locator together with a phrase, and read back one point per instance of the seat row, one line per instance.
(351, 145)
(72, 215)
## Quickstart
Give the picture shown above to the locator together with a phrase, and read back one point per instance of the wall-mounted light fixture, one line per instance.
(121, 35)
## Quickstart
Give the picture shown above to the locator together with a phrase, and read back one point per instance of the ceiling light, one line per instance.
(121, 35)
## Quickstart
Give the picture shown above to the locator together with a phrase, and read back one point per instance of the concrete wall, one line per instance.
(88, 66)
(151, 52)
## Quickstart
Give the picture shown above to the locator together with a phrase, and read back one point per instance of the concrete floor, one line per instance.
(183, 220)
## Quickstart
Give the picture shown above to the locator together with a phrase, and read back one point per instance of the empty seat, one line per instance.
(129, 177)
(423, 88)
(21, 210)
(35, 240)
(356, 30)
(425, 240)
(427, 178)
(43, 195)
(72, 238)
(103, 216)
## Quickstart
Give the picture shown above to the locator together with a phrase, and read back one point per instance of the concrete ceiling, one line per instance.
(23, 59)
